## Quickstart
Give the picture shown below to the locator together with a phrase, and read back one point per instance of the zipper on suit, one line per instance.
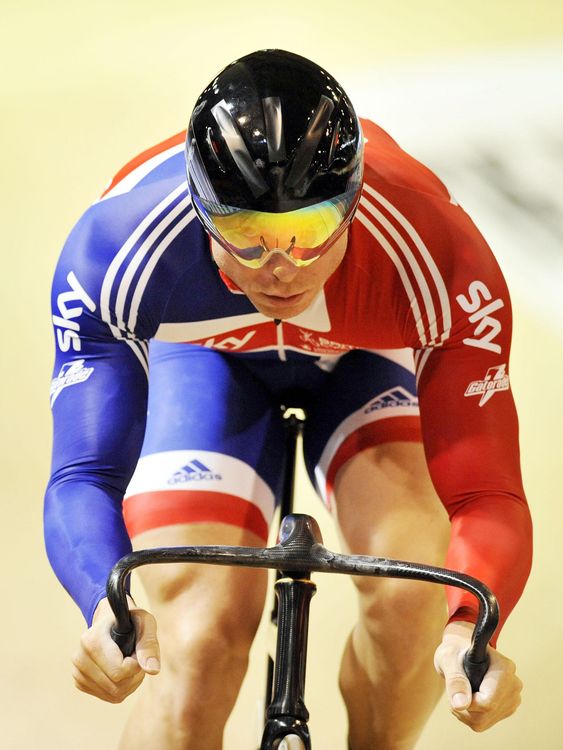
(279, 336)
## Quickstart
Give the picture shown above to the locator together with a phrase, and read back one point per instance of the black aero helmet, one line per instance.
(274, 158)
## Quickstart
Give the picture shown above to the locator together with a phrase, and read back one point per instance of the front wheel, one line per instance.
(291, 742)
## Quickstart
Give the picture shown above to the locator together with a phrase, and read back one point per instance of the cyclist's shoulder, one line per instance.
(390, 168)
(405, 204)
(131, 242)
(149, 192)
(414, 253)
(153, 165)
(144, 203)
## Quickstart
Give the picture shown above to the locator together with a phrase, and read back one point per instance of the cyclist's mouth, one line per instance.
(279, 301)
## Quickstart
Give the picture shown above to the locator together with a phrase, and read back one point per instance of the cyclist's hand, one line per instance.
(499, 694)
(99, 666)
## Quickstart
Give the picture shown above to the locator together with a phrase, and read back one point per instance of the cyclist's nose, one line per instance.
(284, 271)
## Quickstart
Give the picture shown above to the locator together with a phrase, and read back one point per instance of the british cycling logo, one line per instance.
(193, 471)
(320, 345)
(393, 397)
(70, 373)
(494, 381)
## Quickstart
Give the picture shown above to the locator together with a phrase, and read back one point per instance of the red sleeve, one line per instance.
(470, 432)
(442, 285)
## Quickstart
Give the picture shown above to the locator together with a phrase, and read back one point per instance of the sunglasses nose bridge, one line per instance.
(277, 255)
(269, 252)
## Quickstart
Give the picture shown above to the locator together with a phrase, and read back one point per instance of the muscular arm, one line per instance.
(98, 399)
(472, 450)
(98, 429)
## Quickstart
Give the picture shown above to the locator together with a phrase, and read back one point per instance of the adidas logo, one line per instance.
(193, 471)
(393, 397)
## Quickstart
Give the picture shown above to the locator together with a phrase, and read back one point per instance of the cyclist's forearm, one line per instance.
(473, 457)
(98, 431)
(491, 540)
(84, 536)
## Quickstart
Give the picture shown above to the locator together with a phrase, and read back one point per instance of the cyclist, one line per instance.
(304, 251)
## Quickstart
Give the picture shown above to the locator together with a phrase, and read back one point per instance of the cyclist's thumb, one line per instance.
(448, 662)
(147, 649)
(458, 688)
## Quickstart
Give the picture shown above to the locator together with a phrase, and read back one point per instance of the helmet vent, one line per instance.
(274, 128)
(237, 147)
(334, 143)
(306, 150)
(213, 149)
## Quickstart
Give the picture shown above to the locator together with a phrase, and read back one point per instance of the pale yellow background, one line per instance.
(85, 86)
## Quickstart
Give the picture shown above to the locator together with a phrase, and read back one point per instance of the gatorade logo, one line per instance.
(71, 373)
(494, 381)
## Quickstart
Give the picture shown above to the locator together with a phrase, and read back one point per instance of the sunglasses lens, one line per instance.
(303, 235)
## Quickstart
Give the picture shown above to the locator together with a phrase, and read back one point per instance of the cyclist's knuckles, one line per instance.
(476, 722)
(94, 643)
(79, 660)
(128, 670)
(89, 641)
(479, 722)
(483, 705)
(118, 692)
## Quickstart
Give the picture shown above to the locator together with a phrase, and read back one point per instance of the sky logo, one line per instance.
(70, 305)
(193, 471)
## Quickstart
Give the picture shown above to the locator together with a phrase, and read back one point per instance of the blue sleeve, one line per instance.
(98, 399)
